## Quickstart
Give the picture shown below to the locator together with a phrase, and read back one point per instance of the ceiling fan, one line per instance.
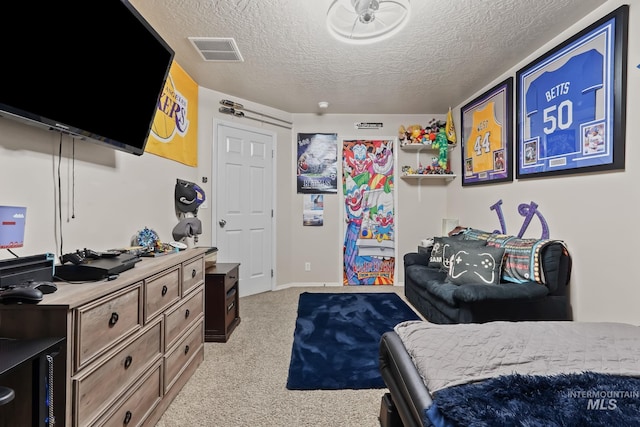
(366, 21)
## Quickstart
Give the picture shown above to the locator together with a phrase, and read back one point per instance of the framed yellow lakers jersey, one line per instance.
(487, 133)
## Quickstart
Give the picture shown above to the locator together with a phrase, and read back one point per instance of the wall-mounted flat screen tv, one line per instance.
(93, 69)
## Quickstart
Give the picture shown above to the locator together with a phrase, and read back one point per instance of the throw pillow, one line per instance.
(475, 265)
(436, 258)
(447, 249)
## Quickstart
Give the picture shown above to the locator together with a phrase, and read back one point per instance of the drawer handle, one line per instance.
(186, 349)
(187, 313)
(232, 277)
(127, 417)
(193, 273)
(113, 320)
(230, 306)
(127, 362)
(164, 290)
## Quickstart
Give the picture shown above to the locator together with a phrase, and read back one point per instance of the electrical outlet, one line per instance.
(307, 266)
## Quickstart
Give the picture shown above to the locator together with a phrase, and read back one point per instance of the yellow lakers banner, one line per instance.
(174, 133)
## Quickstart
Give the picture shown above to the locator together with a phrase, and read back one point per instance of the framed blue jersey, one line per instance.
(559, 101)
(570, 103)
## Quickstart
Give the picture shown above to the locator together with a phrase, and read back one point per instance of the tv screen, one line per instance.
(93, 69)
(12, 222)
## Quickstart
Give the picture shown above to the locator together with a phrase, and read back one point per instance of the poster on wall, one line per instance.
(571, 103)
(174, 132)
(317, 163)
(369, 240)
(313, 210)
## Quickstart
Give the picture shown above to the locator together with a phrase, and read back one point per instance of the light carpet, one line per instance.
(242, 383)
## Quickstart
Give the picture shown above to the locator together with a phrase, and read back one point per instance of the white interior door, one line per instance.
(243, 211)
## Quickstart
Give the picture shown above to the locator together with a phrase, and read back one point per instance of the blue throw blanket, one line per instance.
(585, 399)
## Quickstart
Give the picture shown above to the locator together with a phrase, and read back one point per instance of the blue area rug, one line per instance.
(337, 337)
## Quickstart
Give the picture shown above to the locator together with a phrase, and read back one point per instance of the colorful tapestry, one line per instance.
(369, 242)
(174, 133)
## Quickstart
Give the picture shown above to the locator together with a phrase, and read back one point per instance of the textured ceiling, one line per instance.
(449, 50)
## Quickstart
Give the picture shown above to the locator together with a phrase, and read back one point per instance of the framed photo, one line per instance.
(487, 135)
(571, 103)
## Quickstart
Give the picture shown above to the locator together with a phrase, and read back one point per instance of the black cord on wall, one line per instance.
(60, 191)
(73, 177)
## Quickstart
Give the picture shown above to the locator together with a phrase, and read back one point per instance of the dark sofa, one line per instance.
(544, 297)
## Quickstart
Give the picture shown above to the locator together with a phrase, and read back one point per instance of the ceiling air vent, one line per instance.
(217, 49)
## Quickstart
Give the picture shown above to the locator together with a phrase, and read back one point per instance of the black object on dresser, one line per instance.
(221, 305)
(15, 271)
(92, 268)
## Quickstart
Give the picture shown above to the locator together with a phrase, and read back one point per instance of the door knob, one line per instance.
(222, 223)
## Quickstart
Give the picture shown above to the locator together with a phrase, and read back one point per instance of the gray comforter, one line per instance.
(447, 355)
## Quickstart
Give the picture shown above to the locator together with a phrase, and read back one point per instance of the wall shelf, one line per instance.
(418, 147)
(446, 177)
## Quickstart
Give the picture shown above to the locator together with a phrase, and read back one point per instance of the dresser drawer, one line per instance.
(99, 385)
(105, 322)
(192, 274)
(134, 408)
(178, 319)
(231, 279)
(160, 292)
(231, 308)
(178, 358)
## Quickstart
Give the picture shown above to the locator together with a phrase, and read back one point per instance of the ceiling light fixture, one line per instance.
(367, 21)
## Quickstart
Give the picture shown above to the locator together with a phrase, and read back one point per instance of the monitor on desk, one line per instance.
(12, 222)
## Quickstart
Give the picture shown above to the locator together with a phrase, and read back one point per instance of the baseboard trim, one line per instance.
(324, 285)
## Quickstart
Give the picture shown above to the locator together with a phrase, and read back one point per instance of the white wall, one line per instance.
(116, 194)
(594, 214)
(321, 246)
(416, 216)
(105, 196)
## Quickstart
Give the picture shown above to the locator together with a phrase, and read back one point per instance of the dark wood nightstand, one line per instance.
(221, 301)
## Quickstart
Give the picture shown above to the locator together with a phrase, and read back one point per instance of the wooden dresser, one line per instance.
(131, 343)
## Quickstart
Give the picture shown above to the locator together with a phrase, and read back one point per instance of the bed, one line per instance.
(556, 372)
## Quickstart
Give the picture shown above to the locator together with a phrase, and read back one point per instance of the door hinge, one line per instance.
(271, 213)
(272, 273)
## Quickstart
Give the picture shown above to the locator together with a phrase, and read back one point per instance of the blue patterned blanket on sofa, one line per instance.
(522, 256)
